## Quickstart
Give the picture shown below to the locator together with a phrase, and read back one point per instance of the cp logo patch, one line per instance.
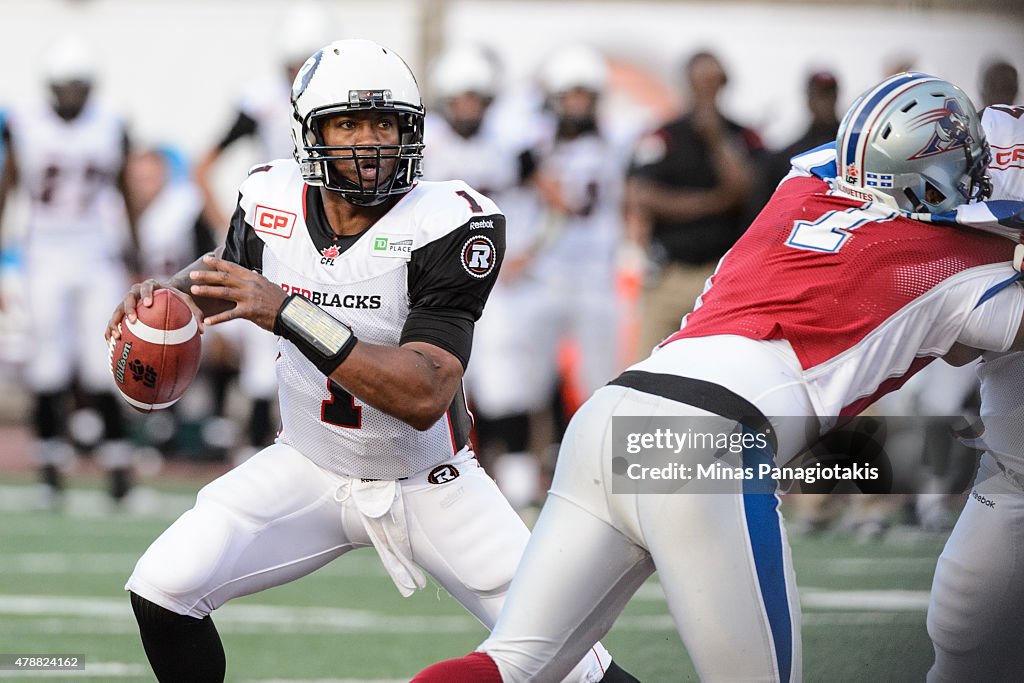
(478, 256)
(442, 474)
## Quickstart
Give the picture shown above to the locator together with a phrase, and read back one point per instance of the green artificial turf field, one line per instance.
(61, 578)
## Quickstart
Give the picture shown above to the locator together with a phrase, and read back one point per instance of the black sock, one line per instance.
(179, 647)
(50, 475)
(120, 482)
(616, 674)
(260, 428)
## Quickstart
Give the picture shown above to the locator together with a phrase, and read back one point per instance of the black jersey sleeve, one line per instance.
(243, 126)
(449, 282)
(243, 246)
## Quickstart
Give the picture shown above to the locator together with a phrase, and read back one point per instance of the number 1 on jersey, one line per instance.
(830, 232)
(341, 410)
(474, 205)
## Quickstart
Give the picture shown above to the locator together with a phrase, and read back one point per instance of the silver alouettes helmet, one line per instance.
(913, 142)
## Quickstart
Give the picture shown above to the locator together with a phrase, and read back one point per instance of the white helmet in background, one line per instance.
(915, 143)
(574, 66)
(357, 75)
(464, 69)
(303, 32)
(69, 60)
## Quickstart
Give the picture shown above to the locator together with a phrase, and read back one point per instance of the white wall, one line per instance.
(176, 67)
(768, 49)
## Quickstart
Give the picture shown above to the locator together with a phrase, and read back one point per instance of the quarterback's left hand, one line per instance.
(256, 298)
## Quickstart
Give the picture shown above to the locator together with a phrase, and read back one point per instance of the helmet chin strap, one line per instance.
(917, 206)
(980, 188)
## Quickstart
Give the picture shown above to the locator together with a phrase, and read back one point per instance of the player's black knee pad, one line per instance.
(509, 434)
(260, 428)
(616, 674)
(179, 647)
(47, 416)
(110, 412)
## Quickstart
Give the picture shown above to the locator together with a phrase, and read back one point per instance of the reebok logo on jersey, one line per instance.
(392, 246)
(988, 502)
(482, 223)
(357, 301)
(273, 221)
(478, 256)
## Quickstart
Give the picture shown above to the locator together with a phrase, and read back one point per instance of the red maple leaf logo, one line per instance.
(331, 251)
(851, 172)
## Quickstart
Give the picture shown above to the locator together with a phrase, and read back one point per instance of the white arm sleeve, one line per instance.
(992, 326)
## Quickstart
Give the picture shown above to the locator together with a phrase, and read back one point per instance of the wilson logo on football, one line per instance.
(478, 256)
(442, 474)
(274, 221)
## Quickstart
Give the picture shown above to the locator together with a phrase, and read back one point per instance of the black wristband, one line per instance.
(322, 338)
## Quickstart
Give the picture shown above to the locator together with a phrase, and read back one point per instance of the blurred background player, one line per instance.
(822, 92)
(505, 385)
(172, 233)
(68, 157)
(998, 83)
(579, 179)
(686, 196)
(263, 114)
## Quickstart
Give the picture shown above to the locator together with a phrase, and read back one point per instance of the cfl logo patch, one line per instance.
(478, 256)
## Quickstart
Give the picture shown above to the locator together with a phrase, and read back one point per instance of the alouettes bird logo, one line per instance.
(331, 251)
(951, 129)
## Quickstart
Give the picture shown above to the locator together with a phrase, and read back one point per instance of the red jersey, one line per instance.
(843, 280)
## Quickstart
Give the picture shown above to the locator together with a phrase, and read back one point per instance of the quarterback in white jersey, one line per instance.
(373, 281)
(861, 298)
(68, 155)
(976, 610)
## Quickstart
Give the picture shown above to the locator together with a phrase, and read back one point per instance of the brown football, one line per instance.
(156, 358)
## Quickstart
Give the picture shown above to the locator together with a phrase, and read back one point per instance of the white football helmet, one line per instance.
(915, 143)
(461, 70)
(574, 66)
(69, 60)
(303, 29)
(357, 75)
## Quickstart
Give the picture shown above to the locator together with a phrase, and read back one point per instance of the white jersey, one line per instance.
(482, 160)
(70, 171)
(1002, 398)
(1004, 130)
(167, 230)
(437, 251)
(491, 162)
(265, 112)
(590, 175)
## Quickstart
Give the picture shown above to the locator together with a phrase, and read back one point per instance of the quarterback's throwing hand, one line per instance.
(256, 298)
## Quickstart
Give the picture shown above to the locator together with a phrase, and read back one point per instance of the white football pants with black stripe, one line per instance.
(723, 558)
